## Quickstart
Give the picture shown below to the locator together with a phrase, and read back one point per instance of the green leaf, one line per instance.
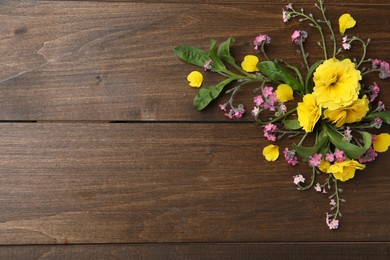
(292, 124)
(224, 51)
(213, 54)
(206, 95)
(384, 116)
(308, 151)
(191, 55)
(310, 72)
(279, 75)
(353, 151)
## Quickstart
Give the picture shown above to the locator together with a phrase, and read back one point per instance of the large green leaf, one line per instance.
(384, 115)
(224, 51)
(206, 95)
(353, 151)
(213, 54)
(279, 75)
(191, 55)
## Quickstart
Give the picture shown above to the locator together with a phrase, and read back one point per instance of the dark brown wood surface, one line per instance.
(103, 156)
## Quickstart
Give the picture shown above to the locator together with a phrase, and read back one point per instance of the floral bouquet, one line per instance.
(335, 106)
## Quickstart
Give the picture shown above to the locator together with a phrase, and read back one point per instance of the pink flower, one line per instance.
(315, 160)
(258, 100)
(332, 224)
(208, 65)
(298, 178)
(318, 188)
(255, 111)
(329, 157)
(290, 156)
(269, 132)
(222, 107)
(298, 37)
(267, 91)
(340, 155)
(333, 202)
(261, 40)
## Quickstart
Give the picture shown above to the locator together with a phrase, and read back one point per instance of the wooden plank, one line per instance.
(179, 182)
(355, 251)
(373, 2)
(113, 61)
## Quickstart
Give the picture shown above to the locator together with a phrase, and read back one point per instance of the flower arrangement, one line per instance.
(335, 106)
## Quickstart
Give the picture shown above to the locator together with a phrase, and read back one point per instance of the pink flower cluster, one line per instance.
(261, 40)
(369, 156)
(338, 155)
(373, 91)
(315, 160)
(233, 112)
(290, 156)
(383, 67)
(298, 178)
(268, 100)
(270, 131)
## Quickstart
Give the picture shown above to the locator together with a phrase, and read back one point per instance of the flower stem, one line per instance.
(364, 45)
(304, 55)
(275, 119)
(322, 9)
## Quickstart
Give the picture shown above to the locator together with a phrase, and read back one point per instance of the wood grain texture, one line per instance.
(344, 251)
(113, 61)
(132, 183)
(268, 2)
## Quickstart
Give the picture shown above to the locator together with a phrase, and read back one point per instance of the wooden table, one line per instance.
(103, 156)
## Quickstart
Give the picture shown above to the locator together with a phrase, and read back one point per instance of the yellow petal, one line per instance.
(271, 152)
(346, 22)
(250, 63)
(381, 143)
(284, 93)
(324, 166)
(195, 78)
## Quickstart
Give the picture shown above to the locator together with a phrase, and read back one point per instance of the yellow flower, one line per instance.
(345, 170)
(308, 112)
(381, 143)
(336, 83)
(284, 93)
(250, 63)
(324, 166)
(349, 114)
(195, 78)
(271, 152)
(346, 22)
